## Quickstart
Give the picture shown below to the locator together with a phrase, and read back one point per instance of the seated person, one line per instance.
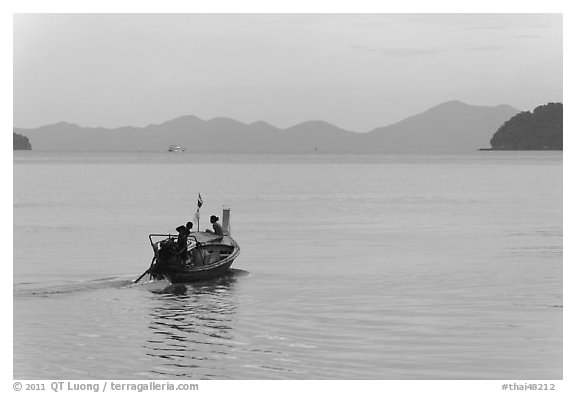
(217, 227)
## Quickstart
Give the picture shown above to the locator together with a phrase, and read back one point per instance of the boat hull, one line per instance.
(188, 276)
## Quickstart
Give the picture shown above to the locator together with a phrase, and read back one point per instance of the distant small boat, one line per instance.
(174, 148)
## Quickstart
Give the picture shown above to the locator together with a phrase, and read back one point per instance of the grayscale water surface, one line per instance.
(352, 267)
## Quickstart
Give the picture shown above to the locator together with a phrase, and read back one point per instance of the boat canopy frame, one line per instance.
(168, 236)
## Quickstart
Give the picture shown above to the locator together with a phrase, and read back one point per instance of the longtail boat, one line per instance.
(207, 256)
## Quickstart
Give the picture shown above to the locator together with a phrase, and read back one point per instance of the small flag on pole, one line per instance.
(197, 215)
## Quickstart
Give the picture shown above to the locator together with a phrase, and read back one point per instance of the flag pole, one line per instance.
(200, 202)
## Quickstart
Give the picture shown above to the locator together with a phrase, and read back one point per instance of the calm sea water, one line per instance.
(352, 267)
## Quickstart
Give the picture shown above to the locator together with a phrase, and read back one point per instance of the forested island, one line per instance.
(538, 130)
(21, 142)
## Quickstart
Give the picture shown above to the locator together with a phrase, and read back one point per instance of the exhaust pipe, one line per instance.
(226, 220)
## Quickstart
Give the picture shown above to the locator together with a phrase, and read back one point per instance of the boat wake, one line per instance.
(36, 289)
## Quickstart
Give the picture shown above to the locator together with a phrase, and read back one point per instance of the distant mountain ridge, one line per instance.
(449, 127)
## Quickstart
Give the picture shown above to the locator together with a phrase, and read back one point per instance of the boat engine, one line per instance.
(167, 249)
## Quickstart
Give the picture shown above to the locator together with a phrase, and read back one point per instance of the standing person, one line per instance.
(217, 227)
(183, 233)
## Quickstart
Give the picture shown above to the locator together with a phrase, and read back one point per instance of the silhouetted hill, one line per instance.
(449, 127)
(320, 136)
(21, 142)
(539, 130)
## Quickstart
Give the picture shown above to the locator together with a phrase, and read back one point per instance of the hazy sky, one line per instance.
(356, 71)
